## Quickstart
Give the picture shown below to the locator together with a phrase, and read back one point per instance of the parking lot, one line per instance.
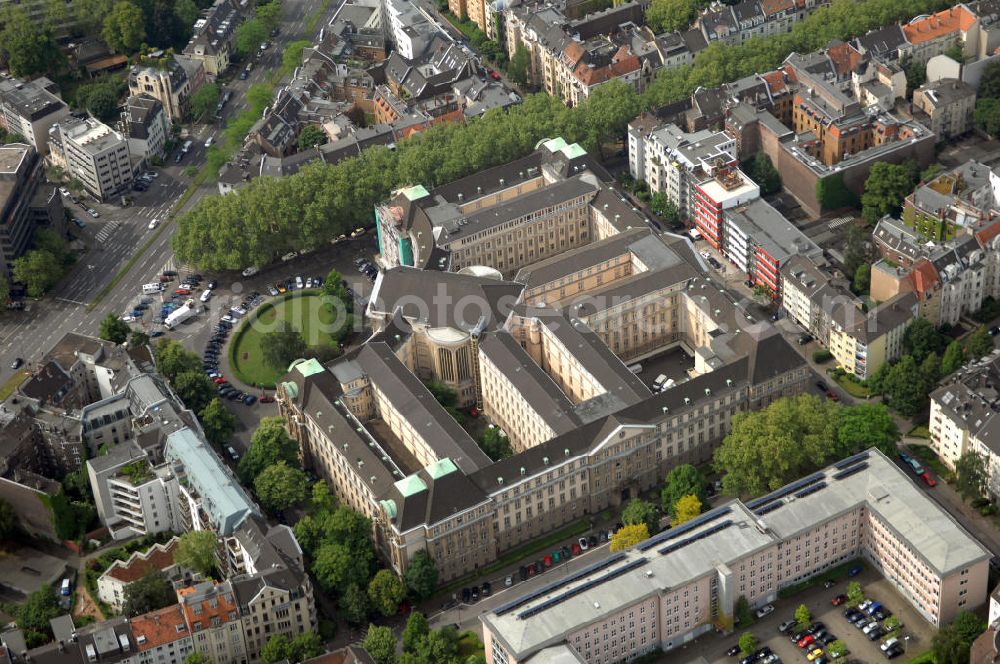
(916, 632)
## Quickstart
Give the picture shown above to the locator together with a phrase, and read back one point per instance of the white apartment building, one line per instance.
(686, 581)
(94, 153)
(30, 108)
(146, 125)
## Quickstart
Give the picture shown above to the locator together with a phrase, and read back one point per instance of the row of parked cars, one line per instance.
(870, 617)
(210, 364)
(917, 469)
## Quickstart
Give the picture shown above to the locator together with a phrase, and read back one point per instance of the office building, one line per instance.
(95, 154)
(30, 108)
(27, 202)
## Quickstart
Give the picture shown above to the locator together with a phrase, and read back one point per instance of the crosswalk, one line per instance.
(838, 222)
(108, 230)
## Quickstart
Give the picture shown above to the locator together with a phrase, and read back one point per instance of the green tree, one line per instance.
(195, 389)
(862, 278)
(282, 346)
(628, 536)
(671, 15)
(916, 75)
(519, 65)
(953, 359)
(114, 329)
(249, 36)
(441, 645)
(839, 649)
(204, 101)
(664, 208)
(380, 643)
(34, 614)
(277, 648)
(989, 83)
(333, 286)
(100, 98)
(952, 642)
(904, 386)
(335, 568)
(854, 593)
(921, 339)
(354, 604)
(742, 611)
(56, 15)
(865, 425)
(416, 630)
(855, 254)
(280, 486)
(748, 643)
(269, 444)
(762, 171)
(386, 591)
(495, 443)
(972, 474)
(292, 56)
(29, 51)
(150, 592)
(886, 187)
(769, 448)
(218, 422)
(987, 116)
(802, 616)
(186, 12)
(305, 646)
(683, 480)
(979, 343)
(269, 14)
(39, 270)
(198, 657)
(173, 359)
(310, 136)
(421, 576)
(137, 338)
(639, 511)
(833, 194)
(124, 28)
(196, 551)
(685, 509)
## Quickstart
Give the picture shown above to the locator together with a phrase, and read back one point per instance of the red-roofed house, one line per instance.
(932, 35)
(111, 585)
(163, 635)
(583, 67)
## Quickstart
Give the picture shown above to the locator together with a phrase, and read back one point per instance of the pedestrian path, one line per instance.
(838, 222)
(107, 231)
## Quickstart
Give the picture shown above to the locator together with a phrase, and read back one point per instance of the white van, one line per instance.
(204, 296)
(149, 289)
(659, 382)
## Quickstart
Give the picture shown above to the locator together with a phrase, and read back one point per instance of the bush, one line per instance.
(821, 356)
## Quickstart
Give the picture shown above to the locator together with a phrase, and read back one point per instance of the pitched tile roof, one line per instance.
(945, 22)
(157, 628)
(925, 276)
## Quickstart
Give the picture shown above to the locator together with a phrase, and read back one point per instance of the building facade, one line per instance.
(95, 154)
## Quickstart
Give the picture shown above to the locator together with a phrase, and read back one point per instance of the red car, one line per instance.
(548, 561)
(182, 291)
(219, 380)
(267, 398)
(494, 75)
(832, 396)
(576, 549)
(807, 641)
(838, 600)
(928, 480)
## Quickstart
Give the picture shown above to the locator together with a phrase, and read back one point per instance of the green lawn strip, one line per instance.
(923, 658)
(854, 389)
(314, 18)
(307, 317)
(834, 574)
(929, 458)
(526, 551)
(919, 431)
(12, 384)
(469, 644)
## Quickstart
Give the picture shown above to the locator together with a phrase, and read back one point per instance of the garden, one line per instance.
(300, 324)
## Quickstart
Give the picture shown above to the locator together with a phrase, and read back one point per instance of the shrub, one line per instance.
(822, 355)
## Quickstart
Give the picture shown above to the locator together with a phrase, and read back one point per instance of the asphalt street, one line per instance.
(114, 237)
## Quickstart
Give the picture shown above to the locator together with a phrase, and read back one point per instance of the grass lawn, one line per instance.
(12, 384)
(469, 644)
(305, 312)
(854, 389)
(924, 658)
(919, 431)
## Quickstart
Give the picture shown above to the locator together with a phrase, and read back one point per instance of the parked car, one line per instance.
(232, 453)
(786, 626)
(854, 571)
(814, 654)
(733, 651)
(93, 213)
(487, 589)
(583, 543)
(928, 480)
(838, 600)
(806, 641)
(16, 364)
(267, 398)
(765, 610)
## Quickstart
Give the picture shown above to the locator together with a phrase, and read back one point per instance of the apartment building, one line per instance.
(946, 106)
(927, 36)
(146, 125)
(962, 417)
(211, 613)
(861, 343)
(957, 199)
(735, 24)
(504, 217)
(686, 581)
(274, 601)
(113, 581)
(26, 202)
(949, 279)
(759, 241)
(171, 80)
(94, 153)
(212, 41)
(30, 108)
(726, 188)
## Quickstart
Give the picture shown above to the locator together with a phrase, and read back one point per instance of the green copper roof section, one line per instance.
(291, 389)
(573, 151)
(555, 144)
(416, 192)
(390, 507)
(441, 467)
(410, 485)
(307, 368)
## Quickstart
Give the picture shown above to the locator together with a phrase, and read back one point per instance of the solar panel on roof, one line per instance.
(810, 490)
(684, 528)
(549, 587)
(847, 472)
(583, 587)
(670, 548)
(844, 463)
(785, 490)
(770, 507)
